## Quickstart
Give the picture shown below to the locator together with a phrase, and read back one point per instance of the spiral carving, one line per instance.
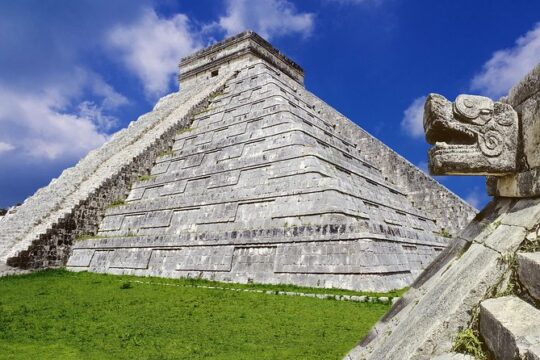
(506, 119)
(492, 143)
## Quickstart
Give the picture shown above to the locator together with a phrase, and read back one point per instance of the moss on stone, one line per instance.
(117, 203)
(187, 129)
(166, 153)
(145, 178)
(467, 341)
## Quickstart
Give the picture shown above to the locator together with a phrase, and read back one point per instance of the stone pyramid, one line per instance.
(245, 176)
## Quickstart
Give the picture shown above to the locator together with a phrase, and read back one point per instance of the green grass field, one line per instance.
(56, 314)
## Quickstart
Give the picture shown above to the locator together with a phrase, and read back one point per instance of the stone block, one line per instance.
(509, 326)
(80, 258)
(504, 238)
(101, 260)
(130, 258)
(529, 272)
(205, 259)
(533, 353)
(525, 213)
(425, 327)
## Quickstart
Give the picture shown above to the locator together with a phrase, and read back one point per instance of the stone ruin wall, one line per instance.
(427, 195)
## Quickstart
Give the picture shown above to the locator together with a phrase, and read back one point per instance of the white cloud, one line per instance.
(477, 198)
(95, 113)
(38, 128)
(412, 121)
(506, 67)
(269, 18)
(111, 99)
(152, 47)
(5, 147)
(52, 123)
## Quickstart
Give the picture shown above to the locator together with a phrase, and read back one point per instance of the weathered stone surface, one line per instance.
(9, 271)
(533, 353)
(524, 213)
(526, 88)
(525, 181)
(425, 193)
(222, 56)
(80, 258)
(529, 272)
(524, 97)
(431, 315)
(474, 135)
(510, 327)
(523, 184)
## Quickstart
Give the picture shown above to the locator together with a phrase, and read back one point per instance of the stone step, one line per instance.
(529, 272)
(510, 328)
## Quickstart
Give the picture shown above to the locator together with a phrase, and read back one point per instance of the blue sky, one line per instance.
(74, 72)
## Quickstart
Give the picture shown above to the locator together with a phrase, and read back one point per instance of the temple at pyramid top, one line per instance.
(244, 47)
(243, 175)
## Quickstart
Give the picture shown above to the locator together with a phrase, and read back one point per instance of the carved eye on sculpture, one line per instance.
(471, 107)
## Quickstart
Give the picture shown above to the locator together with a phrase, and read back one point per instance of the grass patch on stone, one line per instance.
(57, 314)
(530, 245)
(99, 237)
(444, 233)
(84, 237)
(201, 111)
(117, 203)
(467, 342)
(216, 94)
(166, 153)
(185, 130)
(145, 177)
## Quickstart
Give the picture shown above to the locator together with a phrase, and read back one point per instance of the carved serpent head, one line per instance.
(472, 136)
